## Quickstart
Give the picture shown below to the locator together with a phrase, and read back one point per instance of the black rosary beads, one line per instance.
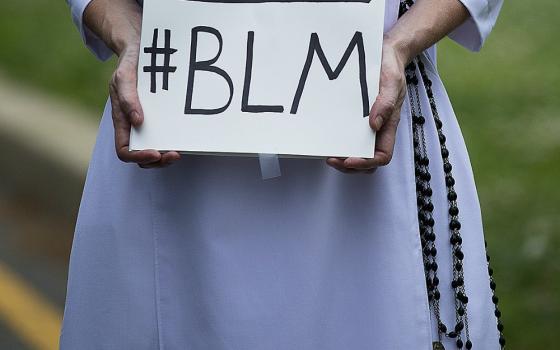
(460, 331)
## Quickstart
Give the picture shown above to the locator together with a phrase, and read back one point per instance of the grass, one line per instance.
(41, 46)
(507, 99)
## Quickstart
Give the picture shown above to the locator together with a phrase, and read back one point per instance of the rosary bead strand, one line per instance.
(425, 206)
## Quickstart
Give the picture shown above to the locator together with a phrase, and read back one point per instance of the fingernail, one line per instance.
(378, 122)
(135, 117)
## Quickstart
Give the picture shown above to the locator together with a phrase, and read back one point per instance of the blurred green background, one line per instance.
(507, 100)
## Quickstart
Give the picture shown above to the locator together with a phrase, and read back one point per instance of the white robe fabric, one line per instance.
(205, 255)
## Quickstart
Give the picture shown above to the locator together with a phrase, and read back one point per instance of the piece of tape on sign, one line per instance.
(270, 166)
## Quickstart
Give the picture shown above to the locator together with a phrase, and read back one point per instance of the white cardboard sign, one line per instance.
(282, 77)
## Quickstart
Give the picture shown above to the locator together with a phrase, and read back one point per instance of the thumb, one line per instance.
(129, 101)
(123, 83)
(382, 110)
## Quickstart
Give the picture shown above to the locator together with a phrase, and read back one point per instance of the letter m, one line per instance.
(315, 46)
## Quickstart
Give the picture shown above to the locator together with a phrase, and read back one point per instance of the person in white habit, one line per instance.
(330, 255)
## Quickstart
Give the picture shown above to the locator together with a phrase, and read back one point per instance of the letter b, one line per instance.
(207, 66)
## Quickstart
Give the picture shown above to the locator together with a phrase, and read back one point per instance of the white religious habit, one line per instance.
(206, 255)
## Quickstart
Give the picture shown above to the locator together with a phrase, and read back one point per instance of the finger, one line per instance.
(124, 84)
(166, 160)
(121, 127)
(385, 105)
(122, 136)
(169, 158)
(345, 163)
(124, 154)
(385, 144)
(389, 99)
(338, 164)
(359, 163)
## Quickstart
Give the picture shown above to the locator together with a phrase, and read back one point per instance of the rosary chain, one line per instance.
(425, 210)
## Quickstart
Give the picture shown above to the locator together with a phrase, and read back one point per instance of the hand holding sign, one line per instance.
(291, 78)
(118, 24)
(126, 111)
(385, 114)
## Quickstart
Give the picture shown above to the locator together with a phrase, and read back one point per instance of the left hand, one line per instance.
(384, 116)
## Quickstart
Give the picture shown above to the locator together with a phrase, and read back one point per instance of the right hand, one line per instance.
(127, 112)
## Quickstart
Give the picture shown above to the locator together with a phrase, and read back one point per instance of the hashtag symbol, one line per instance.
(153, 68)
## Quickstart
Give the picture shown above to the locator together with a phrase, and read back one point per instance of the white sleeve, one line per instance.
(92, 41)
(476, 28)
